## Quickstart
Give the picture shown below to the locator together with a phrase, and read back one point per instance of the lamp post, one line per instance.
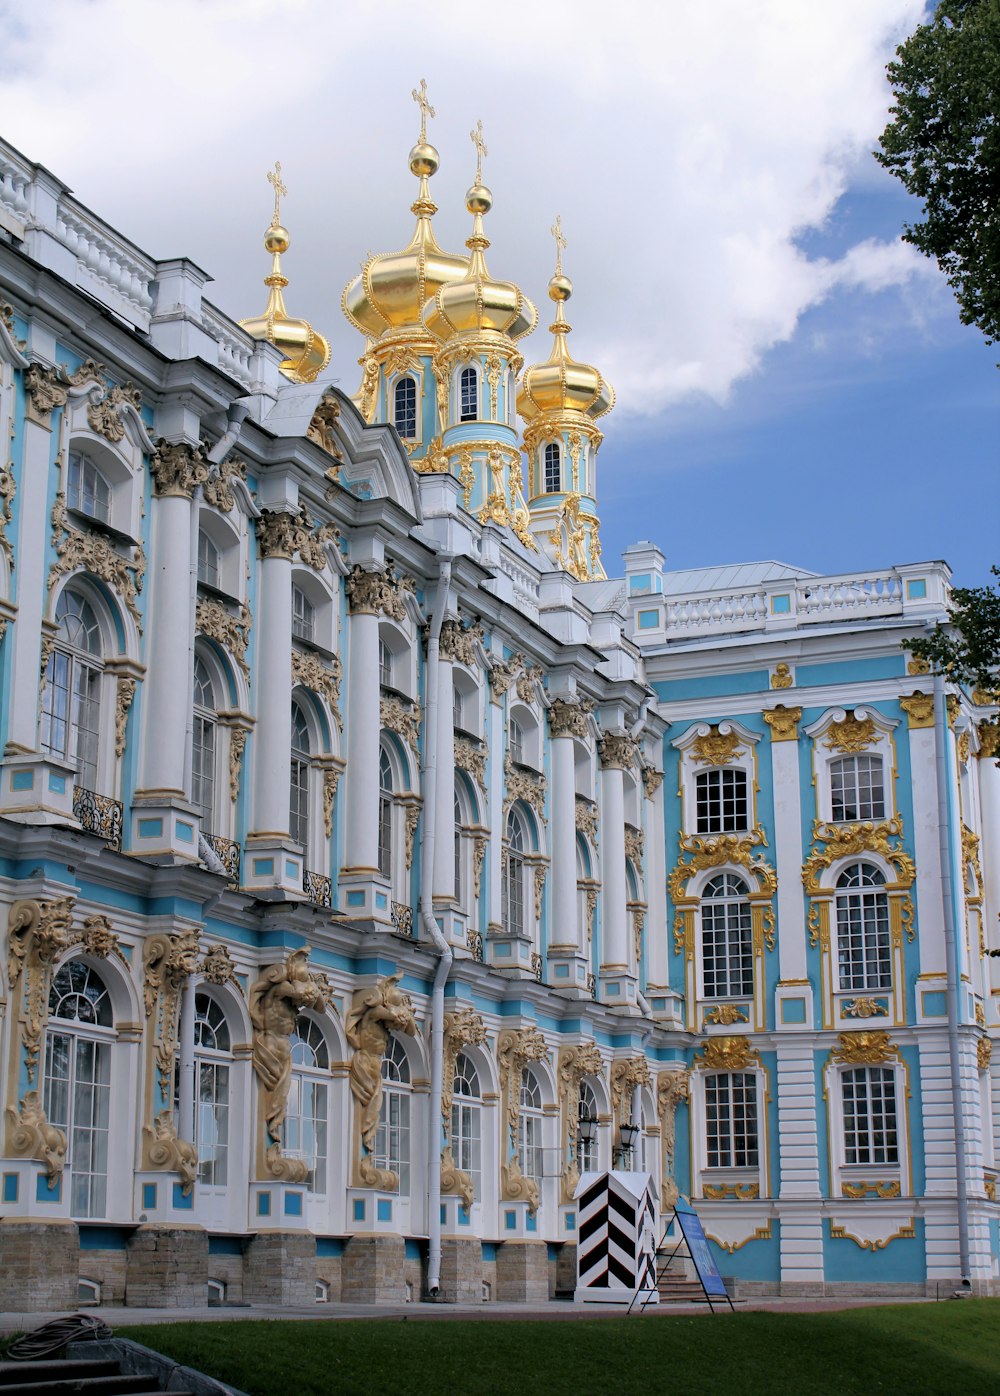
(627, 1136)
(586, 1134)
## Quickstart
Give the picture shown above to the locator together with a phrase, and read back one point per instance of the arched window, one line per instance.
(863, 948)
(305, 1135)
(515, 741)
(731, 1119)
(468, 395)
(529, 1126)
(298, 802)
(392, 1141)
(466, 1134)
(586, 1150)
(456, 708)
(204, 745)
(726, 941)
(513, 880)
(721, 800)
(384, 664)
(209, 561)
(856, 789)
(213, 1061)
(87, 490)
(459, 851)
(405, 408)
(553, 468)
(71, 701)
(303, 615)
(77, 1087)
(385, 814)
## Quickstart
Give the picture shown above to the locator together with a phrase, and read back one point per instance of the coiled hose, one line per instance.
(51, 1337)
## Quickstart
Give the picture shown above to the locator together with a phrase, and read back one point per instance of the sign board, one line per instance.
(699, 1250)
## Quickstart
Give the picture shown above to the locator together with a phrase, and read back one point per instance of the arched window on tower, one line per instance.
(468, 395)
(204, 745)
(514, 873)
(553, 468)
(385, 814)
(298, 800)
(404, 413)
(71, 700)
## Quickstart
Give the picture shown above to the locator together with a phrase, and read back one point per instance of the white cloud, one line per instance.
(686, 145)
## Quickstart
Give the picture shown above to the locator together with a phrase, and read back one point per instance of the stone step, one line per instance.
(54, 1369)
(66, 1385)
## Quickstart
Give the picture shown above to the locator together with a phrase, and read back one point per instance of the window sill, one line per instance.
(95, 525)
(217, 594)
(313, 647)
(388, 692)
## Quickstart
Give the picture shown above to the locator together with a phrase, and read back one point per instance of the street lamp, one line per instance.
(627, 1136)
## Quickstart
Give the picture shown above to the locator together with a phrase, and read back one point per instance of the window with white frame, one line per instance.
(457, 707)
(857, 789)
(303, 616)
(530, 1155)
(731, 1120)
(721, 799)
(868, 1095)
(514, 873)
(71, 699)
(87, 489)
(553, 468)
(466, 1122)
(515, 741)
(209, 561)
(405, 408)
(298, 806)
(863, 941)
(204, 745)
(213, 1065)
(385, 804)
(459, 853)
(726, 939)
(385, 665)
(392, 1140)
(468, 395)
(306, 1129)
(586, 1149)
(76, 1090)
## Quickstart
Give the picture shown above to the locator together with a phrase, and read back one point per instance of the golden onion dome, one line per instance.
(306, 351)
(390, 292)
(560, 384)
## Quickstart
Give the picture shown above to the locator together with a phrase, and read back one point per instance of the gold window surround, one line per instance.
(852, 730)
(723, 1056)
(722, 743)
(867, 1047)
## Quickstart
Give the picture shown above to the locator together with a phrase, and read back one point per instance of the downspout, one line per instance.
(640, 998)
(953, 969)
(433, 931)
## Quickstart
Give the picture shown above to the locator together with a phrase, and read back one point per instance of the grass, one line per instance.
(946, 1349)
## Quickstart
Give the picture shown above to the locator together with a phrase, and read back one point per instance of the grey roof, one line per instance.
(602, 596)
(731, 575)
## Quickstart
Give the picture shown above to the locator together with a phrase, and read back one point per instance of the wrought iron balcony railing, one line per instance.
(402, 919)
(474, 940)
(228, 854)
(100, 815)
(318, 888)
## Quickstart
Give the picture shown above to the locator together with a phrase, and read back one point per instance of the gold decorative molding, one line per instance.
(871, 1048)
(38, 933)
(671, 1091)
(105, 414)
(213, 620)
(375, 1013)
(377, 592)
(839, 1233)
(217, 967)
(218, 488)
(989, 740)
(984, 1053)
(163, 1149)
(635, 844)
(124, 693)
(740, 1192)
(411, 816)
(402, 718)
(715, 748)
(586, 818)
(652, 779)
(916, 665)
(502, 675)
(990, 1186)
(471, 756)
(321, 428)
(919, 709)
(726, 1054)
(94, 553)
(570, 719)
(459, 643)
(99, 940)
(319, 676)
(331, 779)
(782, 676)
(574, 1063)
(726, 1015)
(526, 683)
(516, 1047)
(761, 1233)
(617, 751)
(237, 743)
(700, 851)
(167, 960)
(783, 722)
(851, 734)
(885, 1191)
(540, 871)
(285, 534)
(29, 1135)
(865, 1008)
(835, 841)
(462, 1028)
(528, 786)
(45, 390)
(177, 469)
(626, 1074)
(276, 1000)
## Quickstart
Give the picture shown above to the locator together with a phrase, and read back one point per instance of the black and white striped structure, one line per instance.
(616, 1238)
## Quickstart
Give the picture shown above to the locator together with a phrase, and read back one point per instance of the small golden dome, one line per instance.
(307, 352)
(560, 384)
(390, 292)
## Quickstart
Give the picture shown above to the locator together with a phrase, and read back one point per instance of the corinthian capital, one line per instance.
(177, 469)
(618, 751)
(377, 592)
(569, 719)
(45, 391)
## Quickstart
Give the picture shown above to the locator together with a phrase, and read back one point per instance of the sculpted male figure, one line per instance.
(276, 999)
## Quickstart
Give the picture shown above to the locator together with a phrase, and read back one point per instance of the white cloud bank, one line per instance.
(686, 145)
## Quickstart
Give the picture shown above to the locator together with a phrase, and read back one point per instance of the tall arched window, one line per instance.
(553, 468)
(308, 1102)
(529, 1126)
(213, 1062)
(857, 789)
(586, 1149)
(209, 561)
(726, 940)
(384, 664)
(459, 853)
(87, 490)
(392, 1141)
(77, 1087)
(404, 413)
(466, 1135)
(298, 800)
(513, 879)
(385, 814)
(71, 701)
(863, 947)
(204, 745)
(468, 395)
(303, 615)
(515, 741)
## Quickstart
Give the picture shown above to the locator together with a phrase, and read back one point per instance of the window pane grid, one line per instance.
(468, 395)
(721, 801)
(405, 408)
(553, 470)
(870, 1134)
(863, 941)
(727, 948)
(731, 1120)
(856, 788)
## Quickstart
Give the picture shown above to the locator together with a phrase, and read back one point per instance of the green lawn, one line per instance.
(946, 1349)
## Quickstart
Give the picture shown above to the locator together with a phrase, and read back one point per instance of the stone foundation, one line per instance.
(565, 1282)
(522, 1272)
(166, 1267)
(39, 1264)
(109, 1269)
(279, 1267)
(228, 1270)
(461, 1270)
(373, 1271)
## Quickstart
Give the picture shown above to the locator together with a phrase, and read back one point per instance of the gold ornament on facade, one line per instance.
(461, 643)
(980, 1016)
(574, 1063)
(38, 933)
(863, 1048)
(586, 818)
(526, 684)
(782, 676)
(962, 746)
(700, 851)
(984, 1053)
(990, 1186)
(104, 411)
(570, 719)
(45, 390)
(163, 1149)
(783, 722)
(403, 718)
(287, 534)
(471, 756)
(716, 748)
(529, 786)
(276, 1000)
(541, 869)
(219, 488)
(617, 751)
(865, 1008)
(652, 779)
(124, 693)
(502, 675)
(237, 743)
(177, 469)
(886, 1191)
(970, 858)
(98, 939)
(671, 1091)
(739, 1192)
(319, 676)
(954, 707)
(377, 592)
(217, 967)
(411, 818)
(462, 1029)
(845, 840)
(635, 844)
(917, 665)
(726, 1054)
(375, 1013)
(851, 734)
(626, 1076)
(516, 1048)
(321, 428)
(478, 855)
(726, 1015)
(29, 1135)
(167, 960)
(216, 622)
(94, 553)
(466, 476)
(919, 709)
(989, 740)
(331, 779)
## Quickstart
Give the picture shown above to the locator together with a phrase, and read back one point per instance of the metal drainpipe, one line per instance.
(430, 925)
(954, 970)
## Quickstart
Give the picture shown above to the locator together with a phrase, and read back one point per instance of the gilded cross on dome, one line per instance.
(426, 109)
(557, 233)
(274, 179)
(476, 137)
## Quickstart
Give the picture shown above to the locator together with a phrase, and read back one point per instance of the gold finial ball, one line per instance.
(276, 238)
(479, 199)
(424, 159)
(560, 287)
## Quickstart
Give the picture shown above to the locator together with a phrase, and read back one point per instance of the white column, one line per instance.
(565, 932)
(273, 737)
(801, 1222)
(444, 842)
(363, 727)
(614, 892)
(495, 803)
(657, 933)
(989, 845)
(788, 857)
(926, 845)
